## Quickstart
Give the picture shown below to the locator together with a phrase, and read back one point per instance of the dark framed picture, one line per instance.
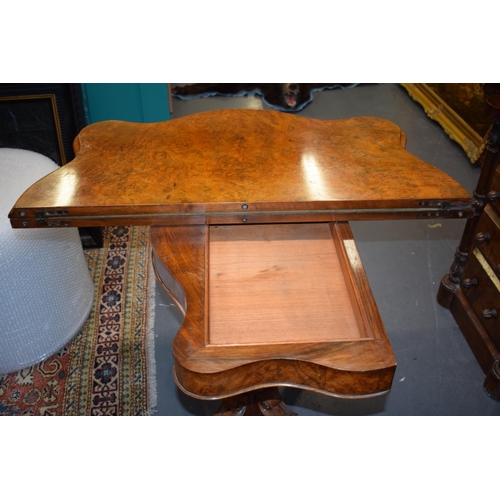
(44, 118)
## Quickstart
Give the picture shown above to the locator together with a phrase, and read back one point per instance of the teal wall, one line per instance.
(134, 102)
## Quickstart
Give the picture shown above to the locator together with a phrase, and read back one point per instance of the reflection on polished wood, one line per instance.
(353, 364)
(226, 166)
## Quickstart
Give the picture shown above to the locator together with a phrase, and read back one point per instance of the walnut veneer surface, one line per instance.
(251, 239)
(322, 358)
(213, 163)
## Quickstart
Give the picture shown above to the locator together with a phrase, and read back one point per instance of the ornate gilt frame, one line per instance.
(454, 125)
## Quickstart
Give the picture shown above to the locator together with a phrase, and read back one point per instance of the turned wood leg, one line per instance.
(450, 282)
(265, 402)
(492, 381)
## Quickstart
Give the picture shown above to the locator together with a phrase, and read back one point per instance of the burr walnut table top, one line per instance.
(238, 164)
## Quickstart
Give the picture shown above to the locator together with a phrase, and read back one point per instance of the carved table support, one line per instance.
(265, 402)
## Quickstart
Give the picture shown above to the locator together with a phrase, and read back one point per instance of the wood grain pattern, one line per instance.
(345, 368)
(277, 283)
(212, 163)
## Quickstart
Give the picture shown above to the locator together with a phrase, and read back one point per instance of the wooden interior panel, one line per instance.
(274, 283)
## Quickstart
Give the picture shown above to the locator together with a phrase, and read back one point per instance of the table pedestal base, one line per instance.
(264, 402)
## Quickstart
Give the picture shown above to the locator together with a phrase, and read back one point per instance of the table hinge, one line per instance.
(443, 209)
(436, 204)
(42, 214)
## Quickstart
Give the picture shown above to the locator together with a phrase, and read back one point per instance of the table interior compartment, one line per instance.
(272, 283)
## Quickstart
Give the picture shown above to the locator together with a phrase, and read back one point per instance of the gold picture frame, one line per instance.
(459, 109)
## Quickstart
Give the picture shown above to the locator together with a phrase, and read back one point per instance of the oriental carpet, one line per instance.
(108, 368)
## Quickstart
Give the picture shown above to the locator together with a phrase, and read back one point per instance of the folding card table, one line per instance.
(250, 236)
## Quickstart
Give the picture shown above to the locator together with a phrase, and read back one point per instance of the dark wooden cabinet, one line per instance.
(472, 288)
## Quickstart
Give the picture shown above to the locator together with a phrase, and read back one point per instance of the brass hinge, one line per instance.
(439, 209)
(42, 214)
(444, 209)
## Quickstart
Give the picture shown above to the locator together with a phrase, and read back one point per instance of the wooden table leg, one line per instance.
(264, 402)
(492, 381)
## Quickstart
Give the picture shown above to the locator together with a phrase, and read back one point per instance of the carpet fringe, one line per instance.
(150, 340)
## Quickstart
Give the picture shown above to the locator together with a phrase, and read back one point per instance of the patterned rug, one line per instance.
(104, 370)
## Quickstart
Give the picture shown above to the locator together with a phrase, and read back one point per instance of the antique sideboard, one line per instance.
(250, 236)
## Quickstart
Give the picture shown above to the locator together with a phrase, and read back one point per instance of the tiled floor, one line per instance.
(437, 373)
